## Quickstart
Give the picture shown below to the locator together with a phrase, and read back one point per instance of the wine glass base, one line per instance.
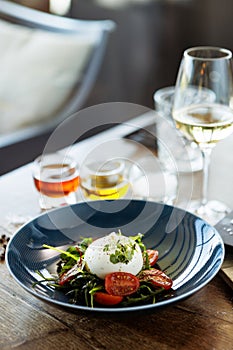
(212, 212)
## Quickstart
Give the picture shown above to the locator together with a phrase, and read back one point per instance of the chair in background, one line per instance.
(49, 65)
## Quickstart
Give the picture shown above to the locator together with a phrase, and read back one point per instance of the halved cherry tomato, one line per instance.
(153, 256)
(121, 283)
(107, 299)
(157, 277)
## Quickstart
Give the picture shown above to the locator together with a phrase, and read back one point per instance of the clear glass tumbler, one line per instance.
(187, 154)
(56, 178)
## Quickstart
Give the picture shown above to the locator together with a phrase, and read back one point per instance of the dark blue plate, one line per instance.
(191, 251)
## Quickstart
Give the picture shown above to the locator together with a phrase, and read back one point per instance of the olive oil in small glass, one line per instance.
(105, 181)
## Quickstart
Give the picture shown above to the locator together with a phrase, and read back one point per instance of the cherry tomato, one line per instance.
(157, 277)
(153, 256)
(121, 283)
(107, 299)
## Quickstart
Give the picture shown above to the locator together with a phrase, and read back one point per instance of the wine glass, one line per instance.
(203, 122)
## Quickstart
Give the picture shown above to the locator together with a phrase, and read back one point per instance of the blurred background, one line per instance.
(143, 52)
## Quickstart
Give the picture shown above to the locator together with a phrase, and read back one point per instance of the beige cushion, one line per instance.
(38, 72)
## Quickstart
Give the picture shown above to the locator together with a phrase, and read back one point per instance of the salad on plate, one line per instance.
(114, 270)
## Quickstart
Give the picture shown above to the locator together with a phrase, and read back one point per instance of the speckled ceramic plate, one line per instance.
(191, 251)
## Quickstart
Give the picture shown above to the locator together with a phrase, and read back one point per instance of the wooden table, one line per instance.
(203, 321)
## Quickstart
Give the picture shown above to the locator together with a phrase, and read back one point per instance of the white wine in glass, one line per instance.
(205, 123)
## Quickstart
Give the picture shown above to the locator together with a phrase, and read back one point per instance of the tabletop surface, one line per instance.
(203, 321)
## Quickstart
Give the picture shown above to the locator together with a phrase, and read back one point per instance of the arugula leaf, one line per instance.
(65, 253)
(144, 293)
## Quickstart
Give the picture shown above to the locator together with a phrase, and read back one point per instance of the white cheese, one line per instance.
(100, 254)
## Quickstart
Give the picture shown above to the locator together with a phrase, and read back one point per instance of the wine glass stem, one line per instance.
(206, 154)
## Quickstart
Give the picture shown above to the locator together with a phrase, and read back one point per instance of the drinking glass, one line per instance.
(187, 154)
(205, 123)
(104, 180)
(56, 178)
